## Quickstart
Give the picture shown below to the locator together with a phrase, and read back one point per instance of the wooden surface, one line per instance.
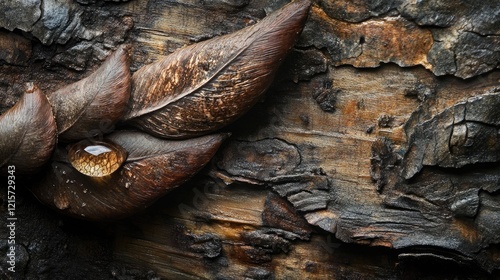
(315, 181)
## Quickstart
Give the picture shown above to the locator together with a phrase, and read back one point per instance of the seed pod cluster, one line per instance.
(190, 93)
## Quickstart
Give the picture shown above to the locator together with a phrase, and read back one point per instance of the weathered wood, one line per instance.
(335, 174)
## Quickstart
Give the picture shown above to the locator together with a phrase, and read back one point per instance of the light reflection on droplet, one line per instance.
(96, 158)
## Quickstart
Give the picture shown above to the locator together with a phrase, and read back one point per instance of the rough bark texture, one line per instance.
(374, 154)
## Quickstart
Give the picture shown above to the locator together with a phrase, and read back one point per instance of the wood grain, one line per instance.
(310, 185)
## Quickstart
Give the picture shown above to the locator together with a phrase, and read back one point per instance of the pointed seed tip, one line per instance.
(30, 87)
(125, 48)
(224, 136)
(303, 3)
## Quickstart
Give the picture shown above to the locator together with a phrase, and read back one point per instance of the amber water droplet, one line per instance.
(61, 203)
(96, 158)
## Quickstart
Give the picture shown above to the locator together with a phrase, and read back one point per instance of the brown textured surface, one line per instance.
(94, 104)
(15, 49)
(28, 133)
(374, 41)
(96, 159)
(345, 126)
(203, 87)
(134, 186)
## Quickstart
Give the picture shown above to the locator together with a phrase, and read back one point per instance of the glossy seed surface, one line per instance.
(96, 158)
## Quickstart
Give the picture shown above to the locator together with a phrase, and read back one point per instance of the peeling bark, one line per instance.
(373, 155)
(464, 134)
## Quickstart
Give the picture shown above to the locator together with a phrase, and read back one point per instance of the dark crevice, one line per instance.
(466, 170)
(486, 35)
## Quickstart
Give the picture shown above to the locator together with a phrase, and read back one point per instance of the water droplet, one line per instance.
(85, 191)
(96, 158)
(84, 204)
(61, 202)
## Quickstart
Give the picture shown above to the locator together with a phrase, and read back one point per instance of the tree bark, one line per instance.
(374, 154)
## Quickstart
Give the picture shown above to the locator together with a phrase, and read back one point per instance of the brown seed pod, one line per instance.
(93, 104)
(153, 168)
(28, 132)
(205, 86)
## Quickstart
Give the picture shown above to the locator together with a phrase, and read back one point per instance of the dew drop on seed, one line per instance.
(96, 158)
